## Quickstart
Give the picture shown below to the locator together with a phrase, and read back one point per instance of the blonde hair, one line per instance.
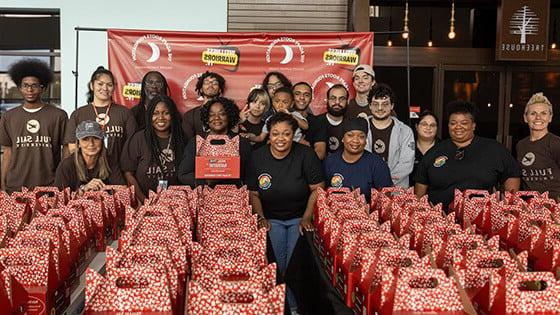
(257, 95)
(80, 164)
(538, 98)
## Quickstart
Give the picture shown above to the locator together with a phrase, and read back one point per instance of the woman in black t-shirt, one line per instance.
(426, 138)
(283, 181)
(149, 156)
(87, 169)
(219, 116)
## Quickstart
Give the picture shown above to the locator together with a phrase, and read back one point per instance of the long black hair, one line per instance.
(232, 111)
(95, 75)
(285, 81)
(141, 110)
(176, 132)
(31, 67)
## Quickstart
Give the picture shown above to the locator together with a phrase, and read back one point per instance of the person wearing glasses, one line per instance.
(153, 83)
(465, 161)
(31, 134)
(426, 138)
(539, 153)
(208, 86)
(388, 136)
(333, 119)
(220, 116)
(275, 80)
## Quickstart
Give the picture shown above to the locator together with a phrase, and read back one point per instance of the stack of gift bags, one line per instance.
(403, 255)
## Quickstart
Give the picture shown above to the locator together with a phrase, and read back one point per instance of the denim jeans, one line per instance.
(284, 235)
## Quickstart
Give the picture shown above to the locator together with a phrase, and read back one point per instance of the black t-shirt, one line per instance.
(137, 158)
(485, 163)
(283, 185)
(354, 109)
(256, 129)
(335, 133)
(317, 131)
(381, 140)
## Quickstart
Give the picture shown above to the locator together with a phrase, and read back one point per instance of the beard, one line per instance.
(335, 112)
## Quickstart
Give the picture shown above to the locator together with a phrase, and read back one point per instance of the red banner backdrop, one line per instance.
(243, 59)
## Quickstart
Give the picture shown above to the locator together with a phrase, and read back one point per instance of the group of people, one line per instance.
(286, 151)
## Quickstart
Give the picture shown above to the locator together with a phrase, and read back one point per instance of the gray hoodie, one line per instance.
(401, 152)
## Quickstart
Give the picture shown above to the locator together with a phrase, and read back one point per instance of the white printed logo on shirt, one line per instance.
(379, 146)
(528, 159)
(33, 126)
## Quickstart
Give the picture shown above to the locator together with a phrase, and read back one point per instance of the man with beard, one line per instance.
(153, 83)
(337, 99)
(208, 86)
(388, 136)
(363, 79)
(316, 135)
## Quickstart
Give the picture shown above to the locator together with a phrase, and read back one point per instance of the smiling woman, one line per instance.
(149, 157)
(465, 161)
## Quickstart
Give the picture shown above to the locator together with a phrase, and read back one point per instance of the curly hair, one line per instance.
(232, 111)
(31, 67)
(280, 118)
(208, 74)
(461, 107)
(381, 90)
(94, 76)
(285, 81)
(175, 131)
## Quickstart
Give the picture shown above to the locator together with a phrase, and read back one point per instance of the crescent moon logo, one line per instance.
(289, 54)
(155, 53)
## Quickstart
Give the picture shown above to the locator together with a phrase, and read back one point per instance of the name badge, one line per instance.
(162, 185)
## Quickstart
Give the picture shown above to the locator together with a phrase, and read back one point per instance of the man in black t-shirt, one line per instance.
(333, 119)
(465, 161)
(363, 79)
(316, 134)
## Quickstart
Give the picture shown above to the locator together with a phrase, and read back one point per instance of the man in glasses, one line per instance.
(208, 86)
(31, 134)
(465, 161)
(153, 83)
(388, 136)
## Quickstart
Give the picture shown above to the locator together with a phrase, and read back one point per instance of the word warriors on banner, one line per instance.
(243, 59)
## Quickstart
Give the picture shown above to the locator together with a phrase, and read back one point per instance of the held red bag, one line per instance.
(217, 157)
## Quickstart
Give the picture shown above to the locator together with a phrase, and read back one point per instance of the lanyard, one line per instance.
(98, 119)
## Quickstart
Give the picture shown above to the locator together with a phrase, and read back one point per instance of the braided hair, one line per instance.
(176, 132)
(141, 109)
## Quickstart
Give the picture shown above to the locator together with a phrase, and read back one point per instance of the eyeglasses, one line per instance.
(157, 84)
(459, 154)
(426, 125)
(211, 83)
(276, 85)
(34, 86)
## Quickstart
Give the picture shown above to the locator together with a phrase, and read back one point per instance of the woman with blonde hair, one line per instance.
(87, 169)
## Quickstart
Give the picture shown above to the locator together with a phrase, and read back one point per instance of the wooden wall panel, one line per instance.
(287, 15)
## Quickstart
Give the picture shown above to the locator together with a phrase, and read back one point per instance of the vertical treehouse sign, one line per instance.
(523, 30)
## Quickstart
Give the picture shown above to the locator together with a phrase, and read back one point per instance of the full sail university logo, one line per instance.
(148, 48)
(287, 44)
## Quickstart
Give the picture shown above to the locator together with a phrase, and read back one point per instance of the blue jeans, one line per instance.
(283, 236)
